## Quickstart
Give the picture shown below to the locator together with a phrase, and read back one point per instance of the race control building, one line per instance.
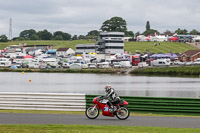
(107, 43)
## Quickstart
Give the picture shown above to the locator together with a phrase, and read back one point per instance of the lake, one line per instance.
(125, 85)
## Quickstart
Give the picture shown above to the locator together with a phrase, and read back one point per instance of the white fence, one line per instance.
(42, 101)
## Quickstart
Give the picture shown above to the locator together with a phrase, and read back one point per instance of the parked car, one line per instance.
(189, 63)
(92, 65)
(197, 61)
(179, 63)
(143, 64)
(18, 65)
(117, 65)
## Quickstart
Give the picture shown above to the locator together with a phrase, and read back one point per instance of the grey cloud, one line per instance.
(80, 16)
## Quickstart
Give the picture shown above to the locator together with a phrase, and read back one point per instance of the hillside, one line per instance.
(164, 47)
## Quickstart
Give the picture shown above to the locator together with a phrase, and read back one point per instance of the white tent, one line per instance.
(196, 39)
(158, 38)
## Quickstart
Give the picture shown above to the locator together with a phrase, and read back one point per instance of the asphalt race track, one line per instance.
(147, 121)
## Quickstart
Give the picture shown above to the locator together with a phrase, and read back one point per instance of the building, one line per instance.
(28, 48)
(85, 48)
(110, 43)
(65, 52)
(13, 49)
(189, 56)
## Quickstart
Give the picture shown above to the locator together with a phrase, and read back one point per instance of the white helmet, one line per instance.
(107, 88)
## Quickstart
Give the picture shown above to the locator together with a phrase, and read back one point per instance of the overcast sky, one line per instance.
(81, 16)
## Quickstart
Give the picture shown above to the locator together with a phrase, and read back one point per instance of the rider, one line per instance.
(110, 93)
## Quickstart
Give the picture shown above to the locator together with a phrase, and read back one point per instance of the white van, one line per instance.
(125, 64)
(161, 62)
(5, 62)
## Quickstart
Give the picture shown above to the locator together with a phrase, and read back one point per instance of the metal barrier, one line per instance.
(42, 101)
(159, 104)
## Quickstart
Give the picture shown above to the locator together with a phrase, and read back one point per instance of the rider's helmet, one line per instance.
(107, 88)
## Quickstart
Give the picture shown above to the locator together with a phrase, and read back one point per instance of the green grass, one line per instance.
(192, 71)
(83, 113)
(164, 47)
(57, 44)
(132, 47)
(90, 129)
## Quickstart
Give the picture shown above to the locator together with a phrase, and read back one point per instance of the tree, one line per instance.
(149, 31)
(93, 33)
(44, 35)
(66, 36)
(137, 34)
(61, 35)
(181, 32)
(58, 37)
(81, 37)
(167, 32)
(57, 33)
(75, 37)
(34, 37)
(194, 32)
(3, 38)
(114, 24)
(148, 26)
(26, 34)
(129, 34)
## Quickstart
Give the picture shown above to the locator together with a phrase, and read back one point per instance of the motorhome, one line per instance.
(103, 65)
(161, 62)
(4, 62)
(75, 66)
(125, 64)
(51, 62)
(34, 64)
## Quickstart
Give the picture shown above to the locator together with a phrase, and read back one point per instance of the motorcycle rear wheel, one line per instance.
(92, 112)
(122, 113)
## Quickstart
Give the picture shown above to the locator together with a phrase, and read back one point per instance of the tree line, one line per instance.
(116, 24)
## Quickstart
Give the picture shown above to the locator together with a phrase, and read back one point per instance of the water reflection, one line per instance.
(94, 84)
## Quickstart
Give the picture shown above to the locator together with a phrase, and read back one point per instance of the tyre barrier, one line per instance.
(163, 105)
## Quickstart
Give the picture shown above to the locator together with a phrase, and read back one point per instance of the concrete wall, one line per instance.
(42, 101)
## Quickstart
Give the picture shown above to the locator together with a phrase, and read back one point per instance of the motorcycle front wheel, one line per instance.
(122, 113)
(92, 112)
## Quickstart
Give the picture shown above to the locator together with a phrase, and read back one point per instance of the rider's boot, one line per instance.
(111, 110)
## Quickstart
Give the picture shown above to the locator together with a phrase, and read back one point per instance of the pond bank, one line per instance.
(103, 71)
(181, 71)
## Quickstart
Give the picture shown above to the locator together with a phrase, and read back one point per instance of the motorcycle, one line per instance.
(100, 103)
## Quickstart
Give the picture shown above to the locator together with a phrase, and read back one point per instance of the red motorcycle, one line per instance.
(100, 103)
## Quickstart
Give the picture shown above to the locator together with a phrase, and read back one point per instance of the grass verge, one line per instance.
(90, 129)
(181, 71)
(164, 47)
(83, 113)
(103, 71)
